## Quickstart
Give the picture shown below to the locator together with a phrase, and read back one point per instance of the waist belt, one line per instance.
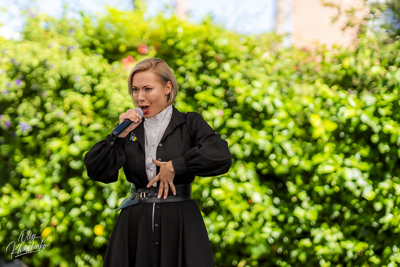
(149, 195)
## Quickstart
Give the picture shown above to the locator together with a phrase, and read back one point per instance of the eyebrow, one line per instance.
(133, 86)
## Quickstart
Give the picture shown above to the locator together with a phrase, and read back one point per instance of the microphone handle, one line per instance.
(121, 127)
(125, 124)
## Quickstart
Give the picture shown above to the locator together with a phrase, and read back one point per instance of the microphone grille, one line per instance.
(139, 111)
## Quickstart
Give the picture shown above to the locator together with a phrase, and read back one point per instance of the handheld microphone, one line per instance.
(125, 124)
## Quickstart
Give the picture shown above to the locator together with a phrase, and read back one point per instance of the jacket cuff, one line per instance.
(179, 166)
(118, 141)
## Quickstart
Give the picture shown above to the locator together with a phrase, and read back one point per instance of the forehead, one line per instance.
(144, 78)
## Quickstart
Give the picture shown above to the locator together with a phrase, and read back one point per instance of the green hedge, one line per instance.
(314, 137)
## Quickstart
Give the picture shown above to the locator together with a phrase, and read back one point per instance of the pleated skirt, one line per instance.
(159, 235)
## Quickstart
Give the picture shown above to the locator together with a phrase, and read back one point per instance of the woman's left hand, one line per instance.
(165, 177)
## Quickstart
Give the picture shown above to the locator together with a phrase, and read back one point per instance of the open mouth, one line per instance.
(145, 109)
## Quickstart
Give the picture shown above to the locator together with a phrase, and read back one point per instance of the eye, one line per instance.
(135, 90)
(148, 89)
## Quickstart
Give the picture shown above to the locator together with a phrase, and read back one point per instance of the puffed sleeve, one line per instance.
(210, 155)
(104, 160)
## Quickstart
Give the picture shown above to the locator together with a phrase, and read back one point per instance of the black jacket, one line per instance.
(191, 144)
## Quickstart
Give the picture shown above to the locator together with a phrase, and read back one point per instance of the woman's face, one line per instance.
(149, 93)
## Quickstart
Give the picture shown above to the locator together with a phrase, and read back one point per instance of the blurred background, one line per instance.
(253, 16)
(306, 92)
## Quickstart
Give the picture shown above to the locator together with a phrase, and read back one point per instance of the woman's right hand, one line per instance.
(132, 115)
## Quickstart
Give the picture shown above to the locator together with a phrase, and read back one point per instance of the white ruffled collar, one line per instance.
(163, 115)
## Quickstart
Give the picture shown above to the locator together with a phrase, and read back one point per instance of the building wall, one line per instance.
(312, 23)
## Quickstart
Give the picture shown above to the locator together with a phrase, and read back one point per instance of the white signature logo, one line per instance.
(26, 244)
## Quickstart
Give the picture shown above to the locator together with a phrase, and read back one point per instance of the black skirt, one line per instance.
(175, 236)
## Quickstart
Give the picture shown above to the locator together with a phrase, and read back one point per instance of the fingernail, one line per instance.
(158, 196)
(165, 197)
(148, 186)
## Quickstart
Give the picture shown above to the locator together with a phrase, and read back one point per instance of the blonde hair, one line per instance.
(162, 70)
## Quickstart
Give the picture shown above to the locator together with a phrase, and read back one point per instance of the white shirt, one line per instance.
(154, 129)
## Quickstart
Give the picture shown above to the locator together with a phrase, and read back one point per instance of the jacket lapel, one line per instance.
(139, 133)
(177, 119)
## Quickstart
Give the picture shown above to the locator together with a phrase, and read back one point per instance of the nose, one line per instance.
(140, 95)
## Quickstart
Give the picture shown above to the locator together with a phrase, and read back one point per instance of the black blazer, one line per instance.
(192, 145)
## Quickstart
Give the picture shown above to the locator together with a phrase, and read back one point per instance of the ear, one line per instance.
(168, 88)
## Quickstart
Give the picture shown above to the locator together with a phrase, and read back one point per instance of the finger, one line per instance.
(133, 115)
(155, 179)
(123, 117)
(160, 191)
(158, 163)
(136, 113)
(138, 118)
(136, 123)
(135, 120)
(166, 189)
(171, 184)
(126, 116)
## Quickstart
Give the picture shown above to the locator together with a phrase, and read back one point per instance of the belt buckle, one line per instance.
(142, 195)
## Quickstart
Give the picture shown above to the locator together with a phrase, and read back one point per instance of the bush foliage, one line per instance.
(314, 137)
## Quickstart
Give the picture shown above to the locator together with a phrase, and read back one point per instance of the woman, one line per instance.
(159, 224)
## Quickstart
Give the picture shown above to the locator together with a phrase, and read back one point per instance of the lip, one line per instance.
(145, 109)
